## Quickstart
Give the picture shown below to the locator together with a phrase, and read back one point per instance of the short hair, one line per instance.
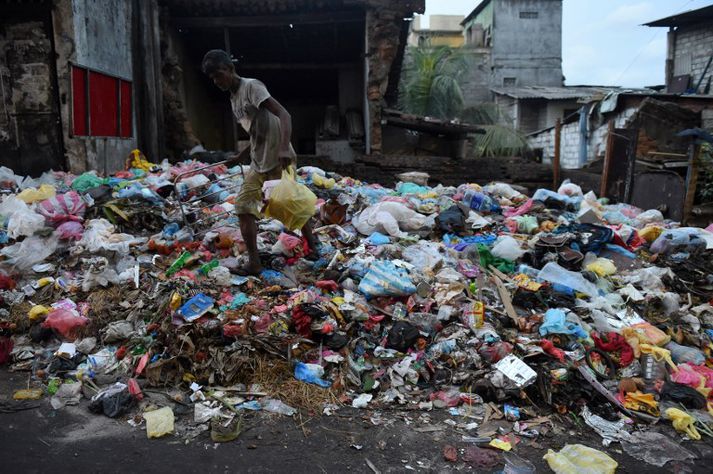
(214, 59)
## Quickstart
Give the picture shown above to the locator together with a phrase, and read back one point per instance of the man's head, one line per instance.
(219, 67)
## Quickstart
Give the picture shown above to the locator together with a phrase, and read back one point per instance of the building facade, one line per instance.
(514, 43)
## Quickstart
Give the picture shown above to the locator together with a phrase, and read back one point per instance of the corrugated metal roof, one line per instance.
(563, 93)
(691, 17)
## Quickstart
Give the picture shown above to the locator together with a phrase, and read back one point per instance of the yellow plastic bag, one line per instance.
(650, 233)
(159, 422)
(580, 459)
(291, 203)
(643, 402)
(646, 333)
(31, 195)
(322, 182)
(683, 422)
(602, 267)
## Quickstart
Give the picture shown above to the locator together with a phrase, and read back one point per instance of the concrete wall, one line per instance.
(94, 34)
(693, 49)
(475, 85)
(443, 30)
(527, 49)
(570, 141)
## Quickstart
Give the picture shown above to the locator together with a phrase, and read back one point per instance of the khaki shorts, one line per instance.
(249, 200)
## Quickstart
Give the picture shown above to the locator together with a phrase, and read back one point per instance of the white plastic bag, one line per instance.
(390, 218)
(99, 235)
(22, 220)
(29, 252)
(508, 248)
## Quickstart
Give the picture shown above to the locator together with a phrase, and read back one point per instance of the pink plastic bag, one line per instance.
(65, 322)
(289, 242)
(63, 208)
(70, 230)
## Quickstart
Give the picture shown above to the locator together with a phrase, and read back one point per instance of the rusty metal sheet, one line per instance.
(657, 189)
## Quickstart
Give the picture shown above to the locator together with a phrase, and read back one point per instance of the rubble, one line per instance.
(476, 300)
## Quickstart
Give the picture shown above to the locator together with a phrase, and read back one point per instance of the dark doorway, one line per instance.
(30, 127)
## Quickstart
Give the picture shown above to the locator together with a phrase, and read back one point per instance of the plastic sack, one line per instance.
(554, 273)
(649, 217)
(580, 459)
(99, 235)
(70, 230)
(62, 208)
(390, 218)
(291, 203)
(508, 248)
(29, 252)
(65, 322)
(21, 219)
(386, 279)
(31, 195)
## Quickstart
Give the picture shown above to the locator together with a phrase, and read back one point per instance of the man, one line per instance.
(270, 127)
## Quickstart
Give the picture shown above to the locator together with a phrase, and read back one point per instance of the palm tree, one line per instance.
(431, 82)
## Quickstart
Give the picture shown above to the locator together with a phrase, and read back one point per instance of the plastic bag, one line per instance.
(683, 238)
(65, 321)
(391, 218)
(311, 373)
(555, 322)
(62, 208)
(159, 422)
(568, 188)
(21, 219)
(649, 217)
(683, 354)
(99, 235)
(683, 423)
(425, 256)
(554, 273)
(645, 333)
(85, 182)
(31, 195)
(508, 248)
(655, 448)
(29, 252)
(386, 279)
(290, 202)
(70, 230)
(580, 459)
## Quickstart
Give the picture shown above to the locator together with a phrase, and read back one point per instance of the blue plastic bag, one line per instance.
(311, 373)
(556, 323)
(377, 238)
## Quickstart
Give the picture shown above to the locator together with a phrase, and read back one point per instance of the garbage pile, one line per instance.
(478, 300)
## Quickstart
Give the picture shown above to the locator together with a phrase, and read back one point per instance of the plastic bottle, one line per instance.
(179, 263)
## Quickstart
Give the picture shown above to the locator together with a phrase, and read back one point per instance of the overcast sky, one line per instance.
(602, 42)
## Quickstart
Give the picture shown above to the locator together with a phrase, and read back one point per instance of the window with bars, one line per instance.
(101, 104)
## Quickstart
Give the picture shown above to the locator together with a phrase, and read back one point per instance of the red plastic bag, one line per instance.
(70, 230)
(65, 322)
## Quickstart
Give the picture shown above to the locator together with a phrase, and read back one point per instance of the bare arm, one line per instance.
(285, 123)
(235, 159)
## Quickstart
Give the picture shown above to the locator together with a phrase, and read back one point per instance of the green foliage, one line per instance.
(431, 82)
(500, 138)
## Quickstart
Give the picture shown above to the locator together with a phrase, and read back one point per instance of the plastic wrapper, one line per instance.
(580, 459)
(290, 202)
(311, 373)
(655, 448)
(159, 422)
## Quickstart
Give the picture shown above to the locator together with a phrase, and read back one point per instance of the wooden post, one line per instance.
(607, 160)
(556, 159)
(691, 181)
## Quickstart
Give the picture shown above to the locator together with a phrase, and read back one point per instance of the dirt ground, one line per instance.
(74, 440)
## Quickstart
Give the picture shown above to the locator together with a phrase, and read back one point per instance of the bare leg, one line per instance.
(248, 229)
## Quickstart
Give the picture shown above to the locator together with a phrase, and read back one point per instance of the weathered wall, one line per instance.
(571, 139)
(476, 83)
(528, 49)
(693, 49)
(94, 34)
(30, 141)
